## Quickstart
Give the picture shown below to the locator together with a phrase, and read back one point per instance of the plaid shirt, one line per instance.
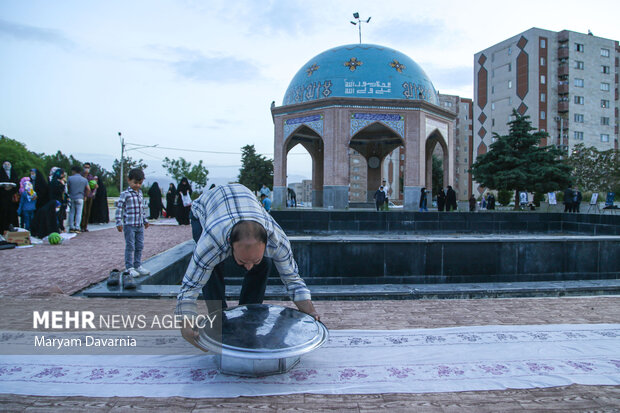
(130, 209)
(218, 210)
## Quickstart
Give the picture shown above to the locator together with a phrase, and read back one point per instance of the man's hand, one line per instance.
(191, 336)
(146, 225)
(307, 307)
(119, 228)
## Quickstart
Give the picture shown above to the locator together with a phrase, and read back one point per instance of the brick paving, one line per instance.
(357, 315)
(79, 262)
(44, 276)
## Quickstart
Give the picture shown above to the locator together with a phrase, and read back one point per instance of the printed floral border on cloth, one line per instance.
(352, 362)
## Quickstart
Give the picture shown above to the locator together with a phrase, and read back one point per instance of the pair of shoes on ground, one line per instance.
(74, 231)
(127, 276)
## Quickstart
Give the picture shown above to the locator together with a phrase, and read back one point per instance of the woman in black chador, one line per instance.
(182, 212)
(155, 204)
(40, 187)
(9, 198)
(171, 196)
(100, 213)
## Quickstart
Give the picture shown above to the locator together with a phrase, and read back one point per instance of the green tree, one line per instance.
(60, 160)
(128, 164)
(594, 170)
(179, 168)
(437, 175)
(20, 157)
(256, 170)
(516, 162)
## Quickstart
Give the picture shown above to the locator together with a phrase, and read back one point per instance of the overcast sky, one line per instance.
(201, 75)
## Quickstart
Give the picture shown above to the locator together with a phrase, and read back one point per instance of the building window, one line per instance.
(493, 73)
(542, 61)
(493, 106)
(543, 79)
(605, 52)
(578, 136)
(356, 169)
(492, 89)
(604, 121)
(604, 137)
(356, 177)
(493, 122)
(543, 43)
(402, 157)
(605, 69)
(604, 103)
(579, 100)
(578, 82)
(510, 51)
(510, 67)
(543, 115)
(579, 47)
(356, 185)
(356, 161)
(605, 87)
(510, 84)
(579, 65)
(578, 118)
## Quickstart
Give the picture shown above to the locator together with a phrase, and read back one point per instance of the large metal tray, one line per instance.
(262, 339)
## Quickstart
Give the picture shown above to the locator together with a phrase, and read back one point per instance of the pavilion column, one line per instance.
(414, 155)
(279, 166)
(336, 159)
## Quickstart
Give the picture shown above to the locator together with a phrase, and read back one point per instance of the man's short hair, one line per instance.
(136, 174)
(86, 163)
(76, 168)
(244, 230)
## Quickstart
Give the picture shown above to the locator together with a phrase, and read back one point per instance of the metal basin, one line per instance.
(261, 339)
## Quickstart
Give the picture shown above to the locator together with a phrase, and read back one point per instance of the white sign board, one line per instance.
(551, 197)
(594, 198)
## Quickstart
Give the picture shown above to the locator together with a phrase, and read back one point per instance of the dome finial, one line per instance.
(356, 15)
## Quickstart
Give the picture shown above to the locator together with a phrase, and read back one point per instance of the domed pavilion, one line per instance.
(369, 98)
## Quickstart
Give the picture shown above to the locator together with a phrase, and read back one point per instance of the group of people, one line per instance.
(446, 200)
(178, 201)
(486, 203)
(572, 199)
(39, 204)
(381, 197)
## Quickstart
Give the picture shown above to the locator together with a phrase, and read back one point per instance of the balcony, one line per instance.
(563, 125)
(563, 70)
(562, 88)
(562, 106)
(563, 52)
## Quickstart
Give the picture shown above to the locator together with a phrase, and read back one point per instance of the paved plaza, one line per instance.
(18, 300)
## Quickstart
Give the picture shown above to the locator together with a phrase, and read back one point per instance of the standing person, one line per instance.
(423, 200)
(292, 196)
(90, 197)
(577, 200)
(265, 191)
(78, 190)
(171, 196)
(441, 200)
(155, 204)
(472, 204)
(41, 187)
(184, 192)
(101, 212)
(58, 193)
(568, 199)
(450, 199)
(131, 219)
(491, 201)
(379, 198)
(9, 197)
(386, 203)
(266, 202)
(230, 226)
(27, 205)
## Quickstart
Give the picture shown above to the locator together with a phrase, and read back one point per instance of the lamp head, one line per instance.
(356, 15)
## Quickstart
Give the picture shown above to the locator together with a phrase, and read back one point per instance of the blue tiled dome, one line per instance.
(362, 71)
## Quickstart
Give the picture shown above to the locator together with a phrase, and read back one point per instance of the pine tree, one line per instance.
(516, 161)
(255, 170)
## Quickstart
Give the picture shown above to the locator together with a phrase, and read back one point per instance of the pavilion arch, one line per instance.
(432, 140)
(375, 140)
(313, 143)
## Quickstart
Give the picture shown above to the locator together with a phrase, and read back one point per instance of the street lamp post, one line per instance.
(123, 150)
(356, 15)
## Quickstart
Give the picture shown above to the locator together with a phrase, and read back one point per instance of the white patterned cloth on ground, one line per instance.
(351, 362)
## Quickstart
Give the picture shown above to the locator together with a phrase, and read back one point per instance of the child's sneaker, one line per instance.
(128, 282)
(143, 271)
(133, 272)
(113, 278)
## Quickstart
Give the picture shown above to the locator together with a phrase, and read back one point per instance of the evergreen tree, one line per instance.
(255, 170)
(594, 170)
(516, 162)
(128, 164)
(20, 157)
